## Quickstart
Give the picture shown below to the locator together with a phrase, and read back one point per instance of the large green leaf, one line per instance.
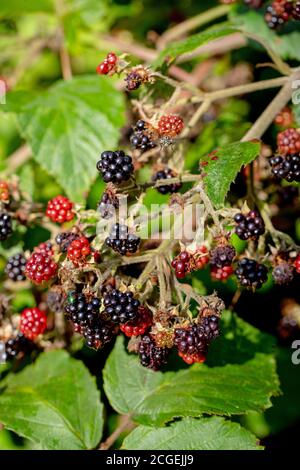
(157, 397)
(54, 402)
(192, 434)
(223, 166)
(177, 48)
(13, 7)
(68, 126)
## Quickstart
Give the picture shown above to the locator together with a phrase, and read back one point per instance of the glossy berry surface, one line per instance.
(81, 310)
(16, 345)
(287, 168)
(283, 273)
(222, 255)
(60, 209)
(115, 167)
(249, 226)
(181, 264)
(108, 64)
(121, 240)
(150, 355)
(221, 274)
(40, 268)
(33, 322)
(278, 13)
(120, 307)
(45, 248)
(64, 240)
(201, 257)
(15, 267)
(166, 174)
(78, 250)
(250, 273)
(288, 142)
(138, 326)
(108, 205)
(170, 125)
(99, 333)
(140, 138)
(297, 264)
(5, 225)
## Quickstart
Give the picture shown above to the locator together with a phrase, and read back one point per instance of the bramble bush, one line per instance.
(118, 330)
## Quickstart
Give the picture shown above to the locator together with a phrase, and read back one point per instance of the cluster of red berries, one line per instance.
(221, 274)
(170, 125)
(182, 264)
(108, 65)
(60, 209)
(33, 322)
(288, 142)
(281, 11)
(78, 250)
(40, 267)
(4, 191)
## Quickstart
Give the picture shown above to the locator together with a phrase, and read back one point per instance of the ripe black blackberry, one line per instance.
(15, 267)
(65, 239)
(80, 310)
(250, 273)
(16, 345)
(99, 333)
(249, 226)
(191, 340)
(283, 273)
(120, 307)
(222, 256)
(5, 225)
(115, 167)
(150, 355)
(166, 174)
(121, 241)
(210, 324)
(107, 205)
(140, 138)
(287, 167)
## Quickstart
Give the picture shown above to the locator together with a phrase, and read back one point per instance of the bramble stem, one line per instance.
(125, 423)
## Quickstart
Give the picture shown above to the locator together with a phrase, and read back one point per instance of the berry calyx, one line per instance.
(115, 167)
(250, 273)
(121, 240)
(150, 355)
(33, 322)
(78, 250)
(166, 174)
(170, 125)
(15, 267)
(40, 268)
(60, 209)
(249, 226)
(221, 274)
(5, 225)
(138, 326)
(288, 142)
(120, 307)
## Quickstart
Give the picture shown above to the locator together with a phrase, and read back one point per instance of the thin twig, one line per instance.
(125, 423)
(18, 158)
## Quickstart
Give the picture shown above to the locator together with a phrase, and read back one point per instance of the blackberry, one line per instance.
(285, 118)
(181, 264)
(44, 248)
(249, 226)
(108, 65)
(138, 326)
(170, 125)
(288, 328)
(210, 324)
(221, 274)
(115, 167)
(4, 191)
(166, 174)
(250, 273)
(65, 239)
(283, 273)
(33, 322)
(140, 138)
(133, 81)
(278, 13)
(191, 340)
(5, 225)
(201, 257)
(150, 355)
(222, 256)
(287, 167)
(297, 264)
(296, 11)
(121, 241)
(40, 267)
(81, 311)
(99, 333)
(288, 142)
(60, 209)
(107, 205)
(18, 344)
(120, 307)
(78, 250)
(15, 267)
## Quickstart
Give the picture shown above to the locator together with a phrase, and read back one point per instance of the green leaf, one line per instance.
(13, 7)
(192, 434)
(157, 397)
(68, 126)
(177, 48)
(223, 165)
(54, 402)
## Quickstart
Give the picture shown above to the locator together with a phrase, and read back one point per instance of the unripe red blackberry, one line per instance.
(283, 273)
(288, 142)
(44, 248)
(297, 264)
(40, 267)
(108, 64)
(181, 264)
(5, 225)
(60, 209)
(249, 226)
(120, 307)
(33, 322)
(192, 358)
(166, 174)
(250, 273)
(287, 167)
(115, 167)
(64, 240)
(78, 250)
(121, 240)
(222, 255)
(4, 191)
(170, 125)
(140, 325)
(201, 257)
(221, 274)
(15, 267)
(150, 355)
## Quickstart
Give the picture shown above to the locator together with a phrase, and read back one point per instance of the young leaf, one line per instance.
(192, 434)
(68, 126)
(54, 402)
(223, 165)
(156, 397)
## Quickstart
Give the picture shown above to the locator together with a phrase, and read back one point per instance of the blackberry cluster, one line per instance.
(15, 267)
(120, 307)
(138, 326)
(150, 355)
(140, 138)
(250, 273)
(287, 167)
(181, 264)
(115, 167)
(288, 142)
(107, 205)
(18, 344)
(121, 241)
(99, 334)
(278, 13)
(222, 255)
(249, 226)
(5, 225)
(166, 174)
(64, 240)
(283, 273)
